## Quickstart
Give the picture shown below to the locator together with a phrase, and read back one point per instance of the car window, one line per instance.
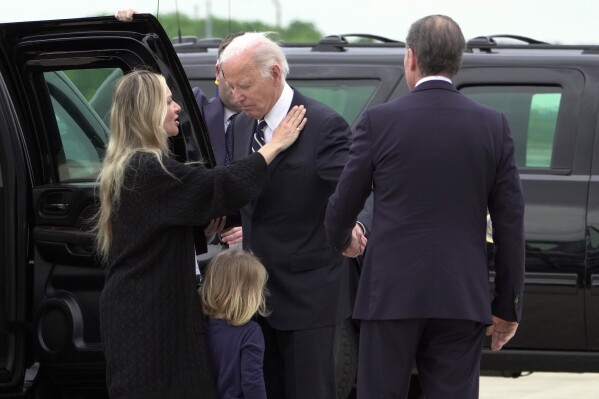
(532, 114)
(347, 97)
(83, 131)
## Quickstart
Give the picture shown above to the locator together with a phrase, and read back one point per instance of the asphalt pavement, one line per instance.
(541, 386)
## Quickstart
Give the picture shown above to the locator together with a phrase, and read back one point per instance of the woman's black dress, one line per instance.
(151, 321)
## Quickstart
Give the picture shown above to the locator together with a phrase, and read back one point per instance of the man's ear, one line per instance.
(216, 72)
(411, 60)
(276, 72)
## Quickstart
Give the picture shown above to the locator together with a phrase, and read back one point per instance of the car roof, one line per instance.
(501, 49)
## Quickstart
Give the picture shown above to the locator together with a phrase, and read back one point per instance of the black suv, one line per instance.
(55, 89)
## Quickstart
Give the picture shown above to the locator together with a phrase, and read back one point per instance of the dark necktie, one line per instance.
(258, 140)
(229, 140)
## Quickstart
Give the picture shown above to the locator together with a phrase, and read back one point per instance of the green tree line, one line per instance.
(295, 32)
(173, 24)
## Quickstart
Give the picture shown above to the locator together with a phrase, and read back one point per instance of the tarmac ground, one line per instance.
(541, 386)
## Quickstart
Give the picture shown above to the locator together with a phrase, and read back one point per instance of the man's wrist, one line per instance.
(362, 227)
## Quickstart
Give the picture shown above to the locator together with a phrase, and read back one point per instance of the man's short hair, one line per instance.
(227, 40)
(438, 43)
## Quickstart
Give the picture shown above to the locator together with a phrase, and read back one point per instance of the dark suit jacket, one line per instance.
(308, 280)
(213, 110)
(437, 161)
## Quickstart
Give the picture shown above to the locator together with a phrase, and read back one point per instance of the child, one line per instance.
(232, 293)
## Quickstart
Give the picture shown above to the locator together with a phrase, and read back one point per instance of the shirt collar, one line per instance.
(278, 112)
(434, 77)
(228, 112)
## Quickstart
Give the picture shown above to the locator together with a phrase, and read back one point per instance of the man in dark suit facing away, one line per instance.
(220, 110)
(219, 113)
(436, 161)
(308, 279)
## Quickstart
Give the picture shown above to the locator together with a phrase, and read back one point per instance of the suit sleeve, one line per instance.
(200, 97)
(252, 354)
(333, 147)
(365, 215)
(506, 207)
(354, 187)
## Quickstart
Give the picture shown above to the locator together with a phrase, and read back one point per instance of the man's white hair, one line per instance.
(265, 52)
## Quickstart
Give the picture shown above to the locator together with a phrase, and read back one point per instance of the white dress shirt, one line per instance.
(278, 112)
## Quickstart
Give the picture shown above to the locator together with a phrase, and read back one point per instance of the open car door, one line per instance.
(56, 80)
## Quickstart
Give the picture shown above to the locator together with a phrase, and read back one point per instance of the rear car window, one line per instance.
(347, 97)
(532, 113)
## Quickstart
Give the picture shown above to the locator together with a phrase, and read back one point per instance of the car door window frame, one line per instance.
(571, 83)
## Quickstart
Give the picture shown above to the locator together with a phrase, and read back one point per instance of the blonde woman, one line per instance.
(151, 322)
(232, 293)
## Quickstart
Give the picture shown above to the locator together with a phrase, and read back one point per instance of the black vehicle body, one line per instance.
(551, 98)
(53, 128)
(55, 92)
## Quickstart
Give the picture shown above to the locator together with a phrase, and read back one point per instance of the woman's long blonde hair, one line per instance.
(136, 125)
(234, 287)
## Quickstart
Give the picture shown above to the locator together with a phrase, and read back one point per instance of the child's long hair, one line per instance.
(234, 287)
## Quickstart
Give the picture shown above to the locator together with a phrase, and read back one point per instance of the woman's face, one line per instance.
(171, 121)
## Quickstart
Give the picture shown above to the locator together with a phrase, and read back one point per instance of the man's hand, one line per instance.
(233, 235)
(501, 331)
(357, 243)
(285, 133)
(125, 15)
(215, 226)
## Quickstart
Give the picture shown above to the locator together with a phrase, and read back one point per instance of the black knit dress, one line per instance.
(151, 321)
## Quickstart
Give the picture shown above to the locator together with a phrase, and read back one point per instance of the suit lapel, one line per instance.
(297, 100)
(243, 131)
(214, 115)
(243, 128)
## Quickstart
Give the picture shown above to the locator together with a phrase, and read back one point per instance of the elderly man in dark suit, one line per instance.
(436, 161)
(308, 280)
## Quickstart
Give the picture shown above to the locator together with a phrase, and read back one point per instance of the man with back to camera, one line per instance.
(308, 280)
(436, 160)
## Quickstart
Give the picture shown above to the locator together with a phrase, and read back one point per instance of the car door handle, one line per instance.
(57, 207)
(66, 245)
(56, 204)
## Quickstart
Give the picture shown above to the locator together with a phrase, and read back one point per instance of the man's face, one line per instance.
(255, 93)
(225, 93)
